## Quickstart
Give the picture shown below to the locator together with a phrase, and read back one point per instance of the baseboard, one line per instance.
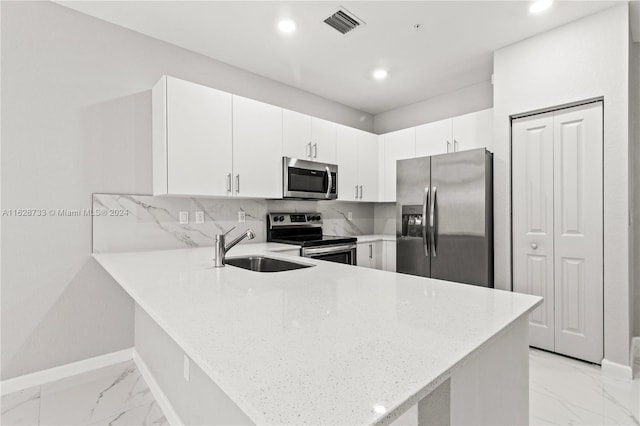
(615, 370)
(56, 373)
(172, 417)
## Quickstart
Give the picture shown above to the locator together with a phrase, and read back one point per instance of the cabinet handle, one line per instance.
(229, 182)
(315, 150)
(238, 183)
(361, 192)
(455, 145)
(356, 192)
(308, 149)
(448, 146)
(370, 251)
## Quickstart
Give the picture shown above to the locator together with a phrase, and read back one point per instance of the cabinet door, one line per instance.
(473, 130)
(434, 138)
(296, 135)
(348, 146)
(532, 190)
(368, 167)
(257, 149)
(365, 255)
(323, 135)
(198, 138)
(398, 145)
(390, 256)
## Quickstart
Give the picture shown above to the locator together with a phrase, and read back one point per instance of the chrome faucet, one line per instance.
(222, 249)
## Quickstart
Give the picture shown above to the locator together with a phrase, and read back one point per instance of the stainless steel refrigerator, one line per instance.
(444, 217)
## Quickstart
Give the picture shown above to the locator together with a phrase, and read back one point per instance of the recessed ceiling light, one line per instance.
(380, 74)
(540, 5)
(287, 26)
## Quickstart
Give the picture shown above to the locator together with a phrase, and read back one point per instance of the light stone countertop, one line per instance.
(321, 345)
(375, 237)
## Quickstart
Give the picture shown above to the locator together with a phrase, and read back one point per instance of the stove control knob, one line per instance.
(276, 218)
(281, 218)
(309, 218)
(317, 218)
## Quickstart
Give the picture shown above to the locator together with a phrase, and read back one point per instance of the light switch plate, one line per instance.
(199, 216)
(349, 216)
(185, 369)
(241, 216)
(184, 218)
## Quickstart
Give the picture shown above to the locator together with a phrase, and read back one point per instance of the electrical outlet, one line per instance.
(199, 216)
(349, 215)
(184, 218)
(241, 216)
(185, 369)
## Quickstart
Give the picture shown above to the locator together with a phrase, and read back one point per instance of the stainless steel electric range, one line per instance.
(305, 230)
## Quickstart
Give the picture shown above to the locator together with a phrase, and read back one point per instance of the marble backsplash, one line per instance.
(143, 222)
(384, 218)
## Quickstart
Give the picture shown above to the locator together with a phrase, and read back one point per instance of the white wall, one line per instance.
(584, 59)
(76, 119)
(468, 99)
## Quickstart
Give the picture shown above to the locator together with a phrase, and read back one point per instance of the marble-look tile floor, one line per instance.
(114, 395)
(565, 391)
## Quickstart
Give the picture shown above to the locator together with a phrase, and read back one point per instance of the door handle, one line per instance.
(361, 192)
(448, 146)
(534, 246)
(308, 149)
(329, 182)
(315, 150)
(238, 183)
(455, 145)
(370, 251)
(433, 222)
(229, 182)
(356, 192)
(425, 241)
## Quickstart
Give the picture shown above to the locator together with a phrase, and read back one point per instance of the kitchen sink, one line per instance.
(265, 264)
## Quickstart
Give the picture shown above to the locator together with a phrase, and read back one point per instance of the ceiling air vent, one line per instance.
(343, 21)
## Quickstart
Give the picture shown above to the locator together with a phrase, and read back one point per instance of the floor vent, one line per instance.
(343, 21)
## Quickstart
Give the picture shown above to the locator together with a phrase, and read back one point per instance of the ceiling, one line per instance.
(453, 49)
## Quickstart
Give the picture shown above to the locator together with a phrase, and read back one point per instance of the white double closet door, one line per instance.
(557, 227)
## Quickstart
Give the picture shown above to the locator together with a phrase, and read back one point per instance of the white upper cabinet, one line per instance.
(324, 135)
(398, 145)
(347, 148)
(368, 167)
(434, 138)
(309, 138)
(473, 130)
(357, 155)
(296, 135)
(192, 139)
(257, 149)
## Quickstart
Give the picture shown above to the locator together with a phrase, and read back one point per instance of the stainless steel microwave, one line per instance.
(309, 179)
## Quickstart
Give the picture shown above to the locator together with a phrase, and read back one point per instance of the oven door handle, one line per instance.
(329, 182)
(308, 251)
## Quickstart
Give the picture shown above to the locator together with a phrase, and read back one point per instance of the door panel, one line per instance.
(532, 180)
(398, 145)
(434, 138)
(348, 163)
(323, 135)
(257, 149)
(368, 166)
(461, 244)
(579, 232)
(413, 179)
(296, 135)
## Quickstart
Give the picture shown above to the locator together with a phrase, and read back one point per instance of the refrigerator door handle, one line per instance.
(425, 230)
(432, 221)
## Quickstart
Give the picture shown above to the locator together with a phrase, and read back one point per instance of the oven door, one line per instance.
(344, 253)
(309, 179)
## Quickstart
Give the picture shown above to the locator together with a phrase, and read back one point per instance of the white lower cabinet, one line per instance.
(389, 256)
(370, 254)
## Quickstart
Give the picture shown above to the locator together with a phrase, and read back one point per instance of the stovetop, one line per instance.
(301, 229)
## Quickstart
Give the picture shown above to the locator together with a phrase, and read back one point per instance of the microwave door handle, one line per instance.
(329, 182)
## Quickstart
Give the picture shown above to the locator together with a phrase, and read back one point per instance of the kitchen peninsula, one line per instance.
(328, 344)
